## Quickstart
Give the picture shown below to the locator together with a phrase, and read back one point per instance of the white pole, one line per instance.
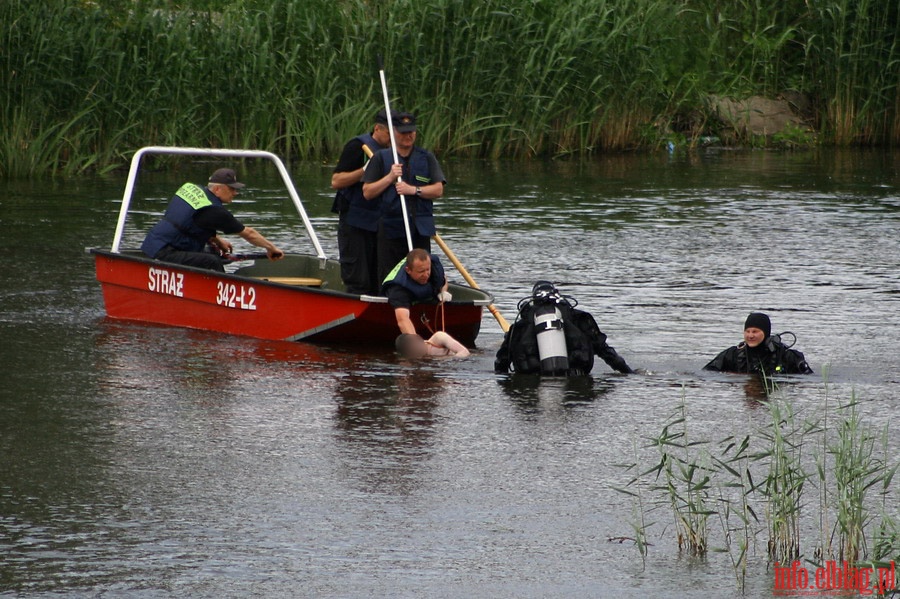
(387, 110)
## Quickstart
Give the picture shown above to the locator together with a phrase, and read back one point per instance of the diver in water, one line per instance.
(551, 336)
(760, 352)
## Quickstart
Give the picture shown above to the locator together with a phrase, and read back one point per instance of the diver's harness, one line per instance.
(771, 346)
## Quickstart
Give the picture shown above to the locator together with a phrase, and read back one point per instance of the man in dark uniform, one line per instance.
(192, 219)
(417, 278)
(421, 182)
(760, 352)
(358, 217)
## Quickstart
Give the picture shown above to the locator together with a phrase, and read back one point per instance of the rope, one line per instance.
(438, 310)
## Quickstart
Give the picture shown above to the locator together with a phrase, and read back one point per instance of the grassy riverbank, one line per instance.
(85, 83)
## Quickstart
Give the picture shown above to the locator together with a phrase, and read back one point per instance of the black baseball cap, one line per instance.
(405, 122)
(226, 176)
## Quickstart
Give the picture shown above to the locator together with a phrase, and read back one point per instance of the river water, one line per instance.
(146, 461)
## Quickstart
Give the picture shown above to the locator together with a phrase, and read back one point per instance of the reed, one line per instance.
(488, 78)
(854, 478)
(858, 470)
(685, 472)
(857, 40)
(733, 463)
(852, 457)
(785, 480)
(638, 522)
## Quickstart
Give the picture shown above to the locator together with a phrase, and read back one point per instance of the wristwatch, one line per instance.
(418, 192)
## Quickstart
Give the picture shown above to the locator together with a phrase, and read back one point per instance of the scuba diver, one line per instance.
(761, 352)
(550, 336)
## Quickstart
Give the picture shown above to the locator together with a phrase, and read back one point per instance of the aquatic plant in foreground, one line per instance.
(699, 479)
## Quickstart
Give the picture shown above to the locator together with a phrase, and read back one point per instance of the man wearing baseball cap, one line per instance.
(418, 179)
(192, 221)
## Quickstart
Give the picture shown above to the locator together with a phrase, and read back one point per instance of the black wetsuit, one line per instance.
(584, 340)
(769, 357)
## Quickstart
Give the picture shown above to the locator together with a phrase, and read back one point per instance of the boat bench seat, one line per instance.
(304, 281)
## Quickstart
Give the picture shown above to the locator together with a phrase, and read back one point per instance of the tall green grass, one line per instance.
(83, 83)
(856, 57)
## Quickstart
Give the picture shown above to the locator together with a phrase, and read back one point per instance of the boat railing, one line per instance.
(136, 165)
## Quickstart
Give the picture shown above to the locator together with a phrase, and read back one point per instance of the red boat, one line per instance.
(299, 297)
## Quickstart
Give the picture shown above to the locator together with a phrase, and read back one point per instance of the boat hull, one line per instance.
(244, 303)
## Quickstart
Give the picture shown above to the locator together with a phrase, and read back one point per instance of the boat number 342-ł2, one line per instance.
(229, 295)
(236, 296)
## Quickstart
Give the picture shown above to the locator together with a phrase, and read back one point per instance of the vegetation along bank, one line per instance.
(86, 82)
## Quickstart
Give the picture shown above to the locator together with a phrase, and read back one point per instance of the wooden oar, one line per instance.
(303, 281)
(465, 274)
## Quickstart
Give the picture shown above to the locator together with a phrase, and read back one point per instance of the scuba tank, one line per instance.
(548, 326)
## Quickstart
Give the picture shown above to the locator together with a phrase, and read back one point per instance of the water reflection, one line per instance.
(756, 390)
(161, 360)
(529, 391)
(386, 424)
